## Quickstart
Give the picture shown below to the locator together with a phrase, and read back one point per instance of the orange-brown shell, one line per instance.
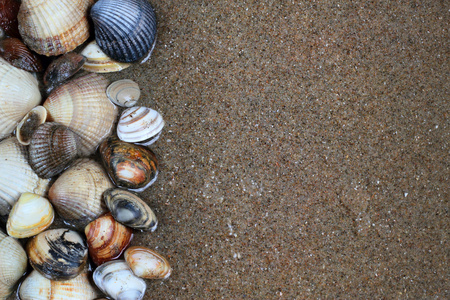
(17, 53)
(147, 263)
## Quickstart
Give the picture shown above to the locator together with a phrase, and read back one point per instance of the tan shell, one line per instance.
(82, 105)
(30, 123)
(98, 62)
(147, 263)
(124, 92)
(19, 93)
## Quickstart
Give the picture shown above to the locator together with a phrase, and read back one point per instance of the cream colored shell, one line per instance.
(98, 62)
(124, 92)
(147, 263)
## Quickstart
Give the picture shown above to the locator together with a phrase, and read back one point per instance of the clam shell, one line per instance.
(17, 54)
(63, 68)
(58, 254)
(115, 279)
(30, 215)
(130, 210)
(129, 166)
(16, 175)
(77, 193)
(98, 62)
(37, 287)
(19, 93)
(140, 125)
(107, 239)
(123, 92)
(8, 17)
(124, 30)
(146, 263)
(30, 123)
(82, 105)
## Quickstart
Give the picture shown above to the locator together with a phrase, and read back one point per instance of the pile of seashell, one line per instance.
(53, 124)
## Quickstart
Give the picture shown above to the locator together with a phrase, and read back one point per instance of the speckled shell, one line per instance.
(82, 105)
(98, 62)
(62, 68)
(30, 123)
(8, 17)
(77, 193)
(107, 239)
(16, 175)
(17, 53)
(53, 147)
(124, 30)
(146, 263)
(129, 166)
(30, 215)
(58, 254)
(130, 210)
(115, 279)
(124, 92)
(19, 93)
(37, 287)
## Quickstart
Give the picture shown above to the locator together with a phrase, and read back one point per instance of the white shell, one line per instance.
(30, 123)
(140, 125)
(123, 92)
(98, 62)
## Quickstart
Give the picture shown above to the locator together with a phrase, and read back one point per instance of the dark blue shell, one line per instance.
(125, 30)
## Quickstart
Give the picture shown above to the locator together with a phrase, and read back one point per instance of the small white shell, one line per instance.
(140, 125)
(30, 123)
(123, 92)
(98, 62)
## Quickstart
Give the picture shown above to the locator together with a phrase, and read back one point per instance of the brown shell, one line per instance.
(17, 53)
(63, 68)
(8, 17)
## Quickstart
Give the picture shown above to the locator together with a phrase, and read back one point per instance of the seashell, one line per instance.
(58, 254)
(53, 27)
(146, 263)
(130, 210)
(19, 93)
(82, 105)
(30, 123)
(98, 62)
(107, 239)
(123, 92)
(63, 68)
(13, 264)
(116, 280)
(129, 166)
(124, 30)
(53, 147)
(30, 215)
(77, 193)
(17, 54)
(8, 17)
(140, 125)
(37, 287)
(16, 175)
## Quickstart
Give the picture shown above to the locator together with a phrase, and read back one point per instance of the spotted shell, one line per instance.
(123, 92)
(147, 263)
(30, 123)
(98, 62)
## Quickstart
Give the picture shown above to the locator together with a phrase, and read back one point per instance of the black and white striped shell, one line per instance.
(124, 30)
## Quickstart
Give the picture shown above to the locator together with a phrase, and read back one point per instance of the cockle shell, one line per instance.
(82, 105)
(16, 175)
(115, 279)
(146, 263)
(140, 125)
(77, 193)
(19, 93)
(58, 254)
(8, 17)
(17, 53)
(30, 215)
(62, 68)
(98, 62)
(107, 239)
(124, 92)
(124, 30)
(30, 123)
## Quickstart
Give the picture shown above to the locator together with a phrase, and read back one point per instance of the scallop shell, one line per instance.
(19, 93)
(16, 175)
(58, 254)
(123, 92)
(77, 193)
(17, 54)
(107, 239)
(146, 263)
(62, 68)
(98, 62)
(30, 123)
(124, 30)
(30, 215)
(140, 125)
(130, 210)
(53, 27)
(82, 105)
(115, 279)
(8, 17)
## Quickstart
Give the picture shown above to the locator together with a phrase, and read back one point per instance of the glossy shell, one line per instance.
(124, 30)
(115, 279)
(8, 17)
(129, 166)
(130, 210)
(140, 125)
(123, 92)
(98, 62)
(30, 215)
(17, 53)
(107, 239)
(146, 263)
(58, 254)
(30, 123)
(62, 69)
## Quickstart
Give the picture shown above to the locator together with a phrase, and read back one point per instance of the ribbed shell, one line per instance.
(82, 105)
(77, 193)
(16, 175)
(17, 53)
(30, 123)
(124, 92)
(124, 30)
(98, 62)
(147, 263)
(19, 93)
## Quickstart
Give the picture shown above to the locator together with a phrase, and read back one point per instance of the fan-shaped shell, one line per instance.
(17, 53)
(30, 123)
(82, 105)
(77, 193)
(147, 263)
(124, 30)
(98, 62)
(19, 93)
(123, 92)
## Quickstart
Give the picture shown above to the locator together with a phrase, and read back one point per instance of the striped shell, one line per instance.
(123, 92)
(146, 263)
(98, 62)
(30, 123)
(17, 53)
